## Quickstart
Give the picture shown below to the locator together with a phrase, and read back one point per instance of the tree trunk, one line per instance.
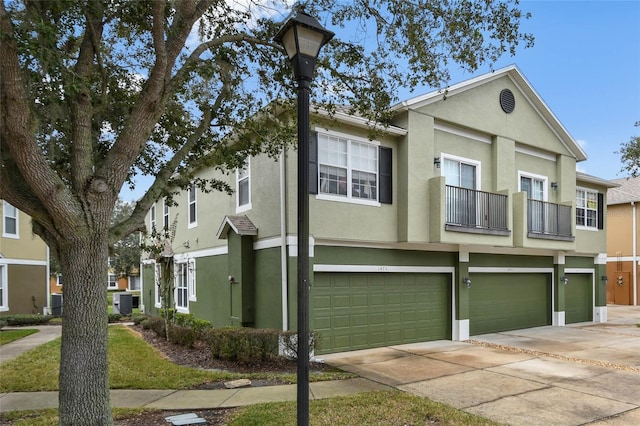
(84, 374)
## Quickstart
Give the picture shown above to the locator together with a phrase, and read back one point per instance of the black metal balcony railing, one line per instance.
(548, 218)
(476, 209)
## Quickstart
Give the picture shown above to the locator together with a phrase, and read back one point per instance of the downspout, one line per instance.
(283, 242)
(635, 253)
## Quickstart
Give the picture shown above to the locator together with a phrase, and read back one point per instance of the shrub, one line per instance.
(3, 322)
(156, 324)
(242, 344)
(26, 319)
(115, 317)
(138, 318)
(183, 336)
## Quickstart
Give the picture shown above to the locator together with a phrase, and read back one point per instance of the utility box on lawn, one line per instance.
(122, 303)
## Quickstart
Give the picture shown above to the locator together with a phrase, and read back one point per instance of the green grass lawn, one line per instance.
(8, 336)
(370, 408)
(133, 364)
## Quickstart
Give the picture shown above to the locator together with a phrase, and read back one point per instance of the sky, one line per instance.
(585, 65)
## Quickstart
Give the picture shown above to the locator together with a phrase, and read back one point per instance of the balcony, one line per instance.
(470, 210)
(549, 221)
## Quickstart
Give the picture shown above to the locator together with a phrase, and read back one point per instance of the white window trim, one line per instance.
(156, 284)
(5, 216)
(585, 227)
(247, 167)
(544, 179)
(58, 280)
(4, 282)
(152, 217)
(177, 268)
(191, 224)
(476, 163)
(191, 284)
(346, 199)
(166, 215)
(109, 286)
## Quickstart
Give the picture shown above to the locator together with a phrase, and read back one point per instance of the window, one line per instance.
(535, 187)
(134, 282)
(112, 281)
(461, 172)
(588, 208)
(193, 220)
(165, 215)
(59, 280)
(4, 290)
(152, 218)
(347, 168)
(243, 188)
(9, 221)
(185, 284)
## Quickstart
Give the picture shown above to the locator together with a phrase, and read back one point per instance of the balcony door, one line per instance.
(462, 206)
(535, 189)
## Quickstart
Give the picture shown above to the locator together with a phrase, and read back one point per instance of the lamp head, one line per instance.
(302, 37)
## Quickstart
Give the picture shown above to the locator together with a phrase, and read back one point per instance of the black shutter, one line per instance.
(600, 211)
(385, 173)
(313, 163)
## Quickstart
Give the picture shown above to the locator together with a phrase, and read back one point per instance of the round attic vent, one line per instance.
(507, 101)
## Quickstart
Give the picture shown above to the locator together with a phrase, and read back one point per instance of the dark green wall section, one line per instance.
(578, 262)
(505, 261)
(241, 268)
(364, 256)
(148, 297)
(268, 289)
(212, 288)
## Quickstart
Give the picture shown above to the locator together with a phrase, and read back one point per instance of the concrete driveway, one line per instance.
(579, 374)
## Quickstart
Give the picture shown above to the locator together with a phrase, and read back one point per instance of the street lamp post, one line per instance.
(302, 37)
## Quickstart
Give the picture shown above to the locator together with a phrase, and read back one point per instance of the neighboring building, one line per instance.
(114, 282)
(622, 242)
(24, 263)
(465, 217)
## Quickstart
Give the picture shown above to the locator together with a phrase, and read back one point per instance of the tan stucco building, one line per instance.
(622, 242)
(24, 263)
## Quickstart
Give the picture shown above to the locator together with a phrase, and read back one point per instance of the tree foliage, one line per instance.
(630, 155)
(96, 92)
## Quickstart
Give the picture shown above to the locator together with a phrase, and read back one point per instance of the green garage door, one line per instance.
(578, 298)
(364, 310)
(500, 302)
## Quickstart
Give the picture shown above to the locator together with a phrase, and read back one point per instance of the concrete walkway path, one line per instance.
(14, 349)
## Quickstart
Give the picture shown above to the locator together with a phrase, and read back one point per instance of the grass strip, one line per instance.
(133, 364)
(370, 408)
(8, 336)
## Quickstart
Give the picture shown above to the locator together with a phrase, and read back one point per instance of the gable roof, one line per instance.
(525, 87)
(241, 225)
(583, 177)
(628, 191)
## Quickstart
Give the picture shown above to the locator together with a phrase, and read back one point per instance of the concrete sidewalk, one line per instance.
(196, 399)
(45, 334)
